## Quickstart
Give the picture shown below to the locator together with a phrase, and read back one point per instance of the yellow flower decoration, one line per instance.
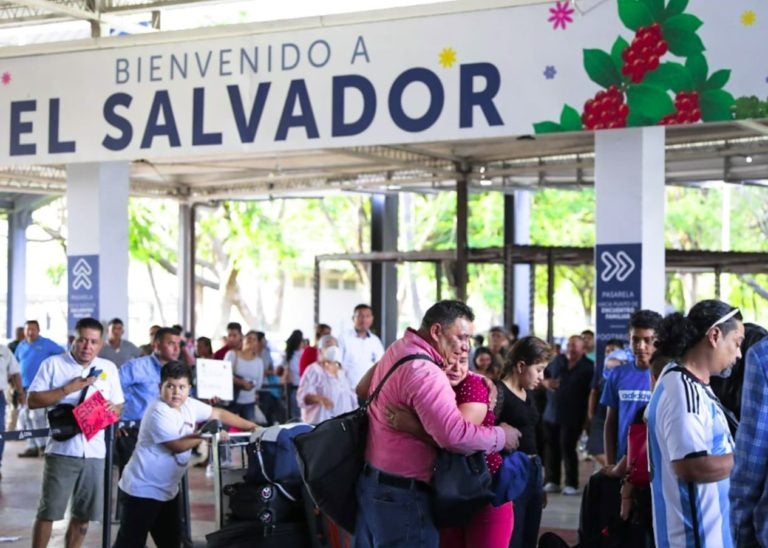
(103, 375)
(748, 18)
(447, 57)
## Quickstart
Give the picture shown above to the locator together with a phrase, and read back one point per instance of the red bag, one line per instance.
(637, 455)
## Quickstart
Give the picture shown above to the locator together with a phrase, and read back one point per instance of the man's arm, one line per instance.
(592, 404)
(704, 468)
(230, 419)
(16, 381)
(610, 433)
(364, 386)
(47, 398)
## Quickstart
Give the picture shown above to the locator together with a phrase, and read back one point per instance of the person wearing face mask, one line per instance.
(393, 492)
(324, 390)
(690, 448)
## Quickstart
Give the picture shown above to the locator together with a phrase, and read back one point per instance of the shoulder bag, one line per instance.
(61, 420)
(332, 455)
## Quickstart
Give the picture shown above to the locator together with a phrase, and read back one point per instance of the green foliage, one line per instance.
(635, 14)
(716, 105)
(601, 68)
(749, 107)
(56, 273)
(670, 76)
(649, 102)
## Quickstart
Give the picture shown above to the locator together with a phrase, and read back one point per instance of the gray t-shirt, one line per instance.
(126, 351)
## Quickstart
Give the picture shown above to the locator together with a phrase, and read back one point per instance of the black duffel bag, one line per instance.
(61, 419)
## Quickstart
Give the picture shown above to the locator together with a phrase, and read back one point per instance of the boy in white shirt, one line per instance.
(150, 481)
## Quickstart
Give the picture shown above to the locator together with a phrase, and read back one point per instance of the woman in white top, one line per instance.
(248, 368)
(324, 391)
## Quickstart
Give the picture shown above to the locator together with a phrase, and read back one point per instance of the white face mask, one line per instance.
(332, 354)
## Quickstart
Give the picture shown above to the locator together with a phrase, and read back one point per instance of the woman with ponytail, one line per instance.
(690, 448)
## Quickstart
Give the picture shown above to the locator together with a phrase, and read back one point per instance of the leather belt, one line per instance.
(390, 480)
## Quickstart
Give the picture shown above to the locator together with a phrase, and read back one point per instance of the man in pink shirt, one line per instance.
(393, 490)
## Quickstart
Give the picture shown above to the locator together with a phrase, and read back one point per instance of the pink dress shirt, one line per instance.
(422, 386)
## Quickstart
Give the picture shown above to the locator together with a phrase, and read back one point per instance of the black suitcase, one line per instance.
(263, 503)
(249, 534)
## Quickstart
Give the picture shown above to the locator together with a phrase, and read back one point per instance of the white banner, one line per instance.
(500, 72)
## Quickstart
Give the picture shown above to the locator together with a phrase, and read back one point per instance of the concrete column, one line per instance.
(97, 207)
(187, 266)
(517, 285)
(629, 257)
(384, 232)
(18, 221)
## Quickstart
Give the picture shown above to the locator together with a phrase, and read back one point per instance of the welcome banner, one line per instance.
(500, 72)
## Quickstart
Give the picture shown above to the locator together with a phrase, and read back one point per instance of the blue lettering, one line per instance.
(199, 136)
(182, 68)
(115, 120)
(161, 105)
(253, 63)
(224, 61)
(54, 145)
(18, 128)
(247, 128)
(469, 98)
(121, 70)
(284, 56)
(297, 91)
(154, 68)
(311, 56)
(436, 93)
(360, 49)
(203, 68)
(340, 128)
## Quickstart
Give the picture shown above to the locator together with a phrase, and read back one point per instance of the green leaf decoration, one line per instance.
(672, 76)
(650, 102)
(656, 7)
(716, 105)
(684, 22)
(638, 119)
(718, 79)
(697, 67)
(634, 14)
(676, 7)
(616, 50)
(601, 69)
(570, 119)
(683, 43)
(547, 127)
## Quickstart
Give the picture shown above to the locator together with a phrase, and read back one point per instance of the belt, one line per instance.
(395, 481)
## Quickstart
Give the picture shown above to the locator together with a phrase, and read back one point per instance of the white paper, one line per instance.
(214, 379)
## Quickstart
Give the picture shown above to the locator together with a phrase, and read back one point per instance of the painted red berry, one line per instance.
(643, 54)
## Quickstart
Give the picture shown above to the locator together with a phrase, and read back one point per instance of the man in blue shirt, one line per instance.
(140, 379)
(30, 353)
(628, 387)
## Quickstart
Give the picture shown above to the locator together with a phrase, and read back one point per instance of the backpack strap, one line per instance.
(398, 363)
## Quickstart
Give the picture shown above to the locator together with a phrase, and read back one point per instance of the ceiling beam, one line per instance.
(84, 14)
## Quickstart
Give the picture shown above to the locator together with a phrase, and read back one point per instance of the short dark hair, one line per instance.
(588, 332)
(89, 323)
(445, 313)
(235, 326)
(319, 328)
(115, 321)
(206, 341)
(645, 319)
(32, 322)
(162, 332)
(615, 342)
(362, 306)
(260, 335)
(677, 333)
(497, 329)
(175, 370)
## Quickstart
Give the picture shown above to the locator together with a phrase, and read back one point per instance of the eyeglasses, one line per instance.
(725, 318)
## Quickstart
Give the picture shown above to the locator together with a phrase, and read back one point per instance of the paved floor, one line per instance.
(20, 492)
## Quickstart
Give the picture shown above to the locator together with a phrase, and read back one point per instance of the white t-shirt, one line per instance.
(154, 471)
(251, 370)
(58, 370)
(360, 353)
(684, 420)
(317, 381)
(8, 366)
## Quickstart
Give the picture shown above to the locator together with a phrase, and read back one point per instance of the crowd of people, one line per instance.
(686, 382)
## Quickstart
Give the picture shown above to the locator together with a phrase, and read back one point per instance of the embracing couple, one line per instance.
(394, 494)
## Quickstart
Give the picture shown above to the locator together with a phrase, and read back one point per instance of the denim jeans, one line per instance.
(390, 517)
(528, 508)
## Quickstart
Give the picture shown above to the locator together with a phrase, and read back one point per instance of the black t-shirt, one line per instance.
(523, 415)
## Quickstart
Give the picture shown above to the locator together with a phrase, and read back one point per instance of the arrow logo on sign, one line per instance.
(618, 266)
(82, 275)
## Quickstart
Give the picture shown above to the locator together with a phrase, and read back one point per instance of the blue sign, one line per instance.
(617, 291)
(82, 288)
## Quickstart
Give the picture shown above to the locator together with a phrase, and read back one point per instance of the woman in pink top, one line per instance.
(490, 527)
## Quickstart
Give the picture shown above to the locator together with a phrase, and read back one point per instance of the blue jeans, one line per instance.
(528, 508)
(2, 424)
(393, 517)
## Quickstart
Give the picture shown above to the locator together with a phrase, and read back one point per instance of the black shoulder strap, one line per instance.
(398, 363)
(730, 417)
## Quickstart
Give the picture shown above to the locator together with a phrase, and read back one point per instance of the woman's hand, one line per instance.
(403, 419)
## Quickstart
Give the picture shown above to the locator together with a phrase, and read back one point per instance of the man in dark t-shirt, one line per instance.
(567, 380)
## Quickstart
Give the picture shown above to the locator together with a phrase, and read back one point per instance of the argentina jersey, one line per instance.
(684, 421)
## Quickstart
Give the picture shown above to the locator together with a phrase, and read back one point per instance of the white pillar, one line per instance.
(97, 207)
(629, 257)
(522, 278)
(18, 221)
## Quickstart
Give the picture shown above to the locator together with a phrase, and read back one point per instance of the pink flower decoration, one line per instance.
(561, 15)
